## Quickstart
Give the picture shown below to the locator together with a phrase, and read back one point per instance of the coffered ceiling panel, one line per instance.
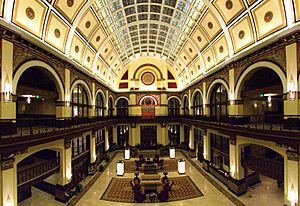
(199, 39)
(209, 59)
(269, 17)
(88, 58)
(297, 9)
(111, 58)
(185, 57)
(87, 23)
(30, 15)
(77, 47)
(106, 50)
(69, 8)
(242, 34)
(210, 24)
(56, 32)
(190, 50)
(98, 38)
(221, 49)
(251, 1)
(229, 8)
(198, 66)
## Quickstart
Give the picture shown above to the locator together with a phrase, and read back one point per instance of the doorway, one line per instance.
(148, 137)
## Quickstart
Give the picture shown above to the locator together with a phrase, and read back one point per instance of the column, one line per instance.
(106, 142)
(115, 134)
(192, 138)
(63, 107)
(105, 112)
(206, 146)
(191, 111)
(9, 194)
(92, 109)
(233, 158)
(162, 137)
(291, 103)
(205, 100)
(132, 134)
(181, 133)
(93, 155)
(66, 164)
(163, 105)
(291, 178)
(7, 103)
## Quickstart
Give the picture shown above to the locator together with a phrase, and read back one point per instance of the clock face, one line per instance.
(148, 78)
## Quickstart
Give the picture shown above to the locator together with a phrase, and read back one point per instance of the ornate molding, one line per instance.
(292, 155)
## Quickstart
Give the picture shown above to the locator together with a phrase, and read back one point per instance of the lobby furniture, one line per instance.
(150, 182)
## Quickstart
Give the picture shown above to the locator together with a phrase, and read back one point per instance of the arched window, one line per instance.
(122, 107)
(99, 105)
(185, 106)
(80, 105)
(110, 107)
(198, 104)
(218, 101)
(173, 107)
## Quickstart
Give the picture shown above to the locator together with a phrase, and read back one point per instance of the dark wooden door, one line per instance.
(148, 137)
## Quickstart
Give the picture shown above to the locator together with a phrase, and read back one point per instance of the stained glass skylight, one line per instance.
(148, 26)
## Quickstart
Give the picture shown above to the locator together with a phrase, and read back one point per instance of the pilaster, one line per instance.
(9, 194)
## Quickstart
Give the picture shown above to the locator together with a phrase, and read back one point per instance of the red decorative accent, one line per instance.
(148, 108)
(170, 75)
(172, 85)
(123, 85)
(125, 76)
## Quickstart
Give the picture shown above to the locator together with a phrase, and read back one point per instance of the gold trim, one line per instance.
(227, 21)
(297, 9)
(52, 15)
(251, 33)
(216, 20)
(65, 14)
(43, 17)
(282, 12)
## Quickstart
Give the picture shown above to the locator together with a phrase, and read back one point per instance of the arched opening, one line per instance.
(36, 98)
(38, 172)
(79, 101)
(122, 107)
(148, 106)
(198, 104)
(174, 134)
(110, 107)
(219, 101)
(123, 136)
(99, 105)
(261, 92)
(185, 106)
(173, 107)
(269, 164)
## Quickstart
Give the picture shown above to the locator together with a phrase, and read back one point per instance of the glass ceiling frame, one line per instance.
(149, 26)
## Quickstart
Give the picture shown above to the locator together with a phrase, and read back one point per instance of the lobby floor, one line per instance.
(265, 193)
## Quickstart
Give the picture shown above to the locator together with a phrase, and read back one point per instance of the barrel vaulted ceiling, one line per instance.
(194, 37)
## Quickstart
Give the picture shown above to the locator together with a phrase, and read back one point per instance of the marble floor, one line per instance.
(262, 194)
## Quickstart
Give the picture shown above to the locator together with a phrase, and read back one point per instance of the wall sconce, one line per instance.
(69, 174)
(292, 196)
(68, 100)
(6, 92)
(232, 169)
(255, 105)
(292, 91)
(28, 100)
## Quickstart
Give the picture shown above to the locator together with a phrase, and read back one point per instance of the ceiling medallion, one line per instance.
(57, 33)
(199, 67)
(268, 16)
(208, 59)
(88, 59)
(30, 13)
(106, 50)
(76, 49)
(241, 34)
(70, 3)
(190, 49)
(87, 24)
(229, 4)
(148, 78)
(98, 38)
(210, 25)
(221, 49)
(199, 39)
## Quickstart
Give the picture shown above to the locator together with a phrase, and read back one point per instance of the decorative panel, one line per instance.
(229, 9)
(69, 8)
(88, 58)
(87, 23)
(210, 24)
(221, 49)
(200, 39)
(105, 51)
(77, 47)
(97, 38)
(56, 32)
(191, 50)
(269, 17)
(297, 9)
(30, 15)
(208, 59)
(242, 34)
